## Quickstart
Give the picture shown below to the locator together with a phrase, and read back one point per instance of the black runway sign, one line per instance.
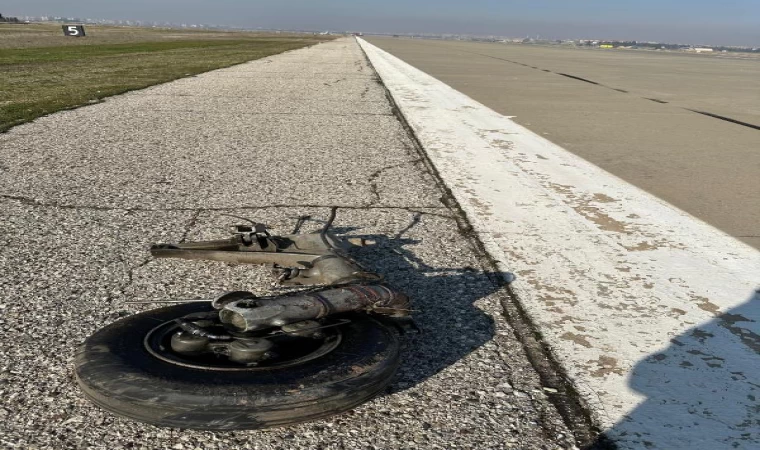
(73, 30)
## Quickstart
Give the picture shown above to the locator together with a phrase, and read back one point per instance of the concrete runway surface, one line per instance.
(653, 314)
(635, 122)
(84, 193)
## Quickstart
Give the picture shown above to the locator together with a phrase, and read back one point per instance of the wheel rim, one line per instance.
(297, 352)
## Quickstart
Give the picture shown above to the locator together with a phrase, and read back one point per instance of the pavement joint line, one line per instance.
(268, 113)
(337, 74)
(575, 77)
(300, 62)
(724, 118)
(150, 94)
(36, 203)
(627, 291)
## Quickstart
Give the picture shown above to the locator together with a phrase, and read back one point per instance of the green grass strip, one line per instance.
(42, 80)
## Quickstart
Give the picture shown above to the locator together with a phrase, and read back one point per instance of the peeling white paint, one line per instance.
(653, 313)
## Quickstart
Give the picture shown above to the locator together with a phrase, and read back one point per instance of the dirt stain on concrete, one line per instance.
(579, 339)
(705, 304)
(643, 246)
(602, 198)
(602, 220)
(606, 365)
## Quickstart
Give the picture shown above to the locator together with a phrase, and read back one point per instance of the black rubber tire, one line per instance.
(116, 372)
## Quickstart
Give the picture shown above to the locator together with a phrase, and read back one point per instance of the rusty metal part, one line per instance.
(249, 315)
(297, 259)
(224, 298)
(197, 329)
(301, 259)
(306, 328)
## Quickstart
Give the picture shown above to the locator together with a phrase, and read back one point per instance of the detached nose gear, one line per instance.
(237, 361)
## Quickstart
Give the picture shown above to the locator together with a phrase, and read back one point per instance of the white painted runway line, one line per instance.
(654, 314)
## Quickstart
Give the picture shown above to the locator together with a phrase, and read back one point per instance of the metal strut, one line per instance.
(298, 259)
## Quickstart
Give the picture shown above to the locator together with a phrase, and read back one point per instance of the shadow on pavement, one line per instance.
(703, 390)
(443, 302)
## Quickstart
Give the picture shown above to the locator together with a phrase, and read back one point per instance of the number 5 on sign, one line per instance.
(73, 30)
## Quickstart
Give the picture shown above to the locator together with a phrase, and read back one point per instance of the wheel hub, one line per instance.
(202, 342)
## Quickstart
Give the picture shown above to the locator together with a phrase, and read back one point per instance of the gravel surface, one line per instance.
(84, 193)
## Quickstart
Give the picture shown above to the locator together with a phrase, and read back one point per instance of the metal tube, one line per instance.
(257, 314)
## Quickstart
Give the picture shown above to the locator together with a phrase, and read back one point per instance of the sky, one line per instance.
(726, 22)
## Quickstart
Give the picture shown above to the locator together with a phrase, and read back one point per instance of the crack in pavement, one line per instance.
(130, 277)
(190, 224)
(415, 220)
(372, 179)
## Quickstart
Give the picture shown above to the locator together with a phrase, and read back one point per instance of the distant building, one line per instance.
(699, 49)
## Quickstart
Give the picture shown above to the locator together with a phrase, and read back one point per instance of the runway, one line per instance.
(651, 313)
(279, 140)
(628, 112)
(84, 193)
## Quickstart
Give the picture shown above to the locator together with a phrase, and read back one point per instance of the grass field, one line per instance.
(42, 71)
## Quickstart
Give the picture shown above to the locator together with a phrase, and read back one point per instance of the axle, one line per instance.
(252, 314)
